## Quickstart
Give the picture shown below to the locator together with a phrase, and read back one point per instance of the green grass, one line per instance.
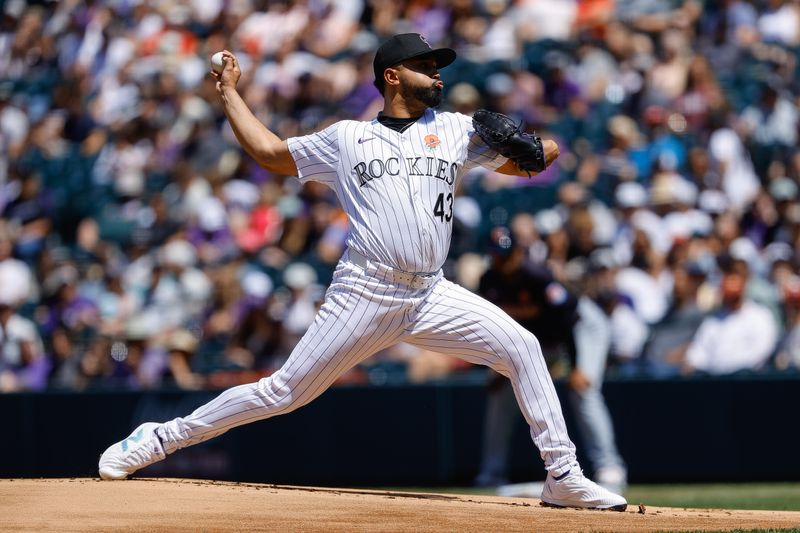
(790, 530)
(766, 496)
(758, 496)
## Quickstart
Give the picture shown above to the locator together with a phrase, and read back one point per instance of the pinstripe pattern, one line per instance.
(360, 316)
(455, 321)
(363, 314)
(392, 214)
(388, 183)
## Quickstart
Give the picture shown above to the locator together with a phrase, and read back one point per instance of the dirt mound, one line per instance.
(172, 505)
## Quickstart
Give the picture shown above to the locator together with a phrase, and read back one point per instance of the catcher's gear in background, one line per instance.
(501, 133)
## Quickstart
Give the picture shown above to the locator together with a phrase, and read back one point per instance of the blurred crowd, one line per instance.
(140, 248)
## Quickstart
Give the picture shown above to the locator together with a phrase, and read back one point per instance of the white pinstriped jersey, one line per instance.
(396, 188)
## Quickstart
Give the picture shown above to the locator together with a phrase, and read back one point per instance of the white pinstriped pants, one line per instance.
(363, 314)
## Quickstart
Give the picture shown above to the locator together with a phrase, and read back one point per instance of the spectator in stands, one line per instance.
(739, 181)
(669, 338)
(625, 160)
(304, 299)
(23, 365)
(780, 22)
(630, 199)
(181, 346)
(177, 291)
(628, 331)
(67, 315)
(30, 211)
(740, 335)
(770, 124)
(137, 363)
(641, 281)
(256, 339)
(788, 353)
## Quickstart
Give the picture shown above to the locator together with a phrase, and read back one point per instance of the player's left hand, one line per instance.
(502, 134)
(551, 151)
(578, 381)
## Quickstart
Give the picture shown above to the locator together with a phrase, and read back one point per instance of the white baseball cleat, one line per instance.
(140, 449)
(575, 490)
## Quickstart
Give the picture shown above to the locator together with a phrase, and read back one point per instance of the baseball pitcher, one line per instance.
(396, 177)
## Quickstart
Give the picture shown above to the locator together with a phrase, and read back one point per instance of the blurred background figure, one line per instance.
(739, 335)
(575, 337)
(23, 365)
(593, 334)
(788, 354)
(180, 348)
(665, 351)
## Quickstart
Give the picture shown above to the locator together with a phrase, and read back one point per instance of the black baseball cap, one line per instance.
(408, 46)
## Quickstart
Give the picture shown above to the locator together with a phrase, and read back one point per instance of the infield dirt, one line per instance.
(175, 505)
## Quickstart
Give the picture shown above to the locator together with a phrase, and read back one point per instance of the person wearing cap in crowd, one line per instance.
(739, 335)
(181, 345)
(780, 260)
(641, 281)
(628, 329)
(579, 223)
(464, 98)
(769, 126)
(630, 199)
(69, 314)
(766, 220)
(395, 177)
(303, 304)
(685, 220)
(550, 226)
(625, 160)
(758, 288)
(567, 326)
(177, 288)
(664, 352)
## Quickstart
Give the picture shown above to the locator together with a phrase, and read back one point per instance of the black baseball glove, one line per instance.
(501, 133)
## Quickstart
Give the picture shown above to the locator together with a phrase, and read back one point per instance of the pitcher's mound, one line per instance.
(171, 505)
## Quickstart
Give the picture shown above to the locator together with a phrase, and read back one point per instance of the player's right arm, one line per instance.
(265, 147)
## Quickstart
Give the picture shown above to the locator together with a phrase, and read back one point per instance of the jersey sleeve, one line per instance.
(316, 155)
(479, 154)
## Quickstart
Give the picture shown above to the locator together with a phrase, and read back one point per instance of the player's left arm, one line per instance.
(551, 152)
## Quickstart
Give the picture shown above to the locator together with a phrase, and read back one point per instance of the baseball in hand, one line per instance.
(217, 63)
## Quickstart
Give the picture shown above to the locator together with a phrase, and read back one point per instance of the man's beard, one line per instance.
(430, 96)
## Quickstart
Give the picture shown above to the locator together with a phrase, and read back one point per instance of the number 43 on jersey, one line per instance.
(438, 208)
